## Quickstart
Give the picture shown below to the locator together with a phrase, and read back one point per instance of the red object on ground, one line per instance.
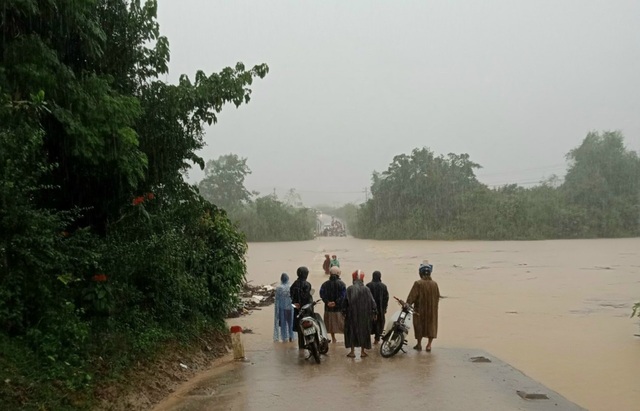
(236, 329)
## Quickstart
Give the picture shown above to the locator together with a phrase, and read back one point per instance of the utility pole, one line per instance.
(366, 194)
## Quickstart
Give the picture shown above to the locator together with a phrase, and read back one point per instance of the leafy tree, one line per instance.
(426, 196)
(175, 116)
(104, 249)
(293, 198)
(349, 214)
(269, 219)
(419, 194)
(604, 180)
(223, 183)
(265, 219)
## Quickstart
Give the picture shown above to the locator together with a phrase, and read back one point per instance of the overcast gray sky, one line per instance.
(515, 84)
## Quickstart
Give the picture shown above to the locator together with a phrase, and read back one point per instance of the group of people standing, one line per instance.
(330, 262)
(357, 311)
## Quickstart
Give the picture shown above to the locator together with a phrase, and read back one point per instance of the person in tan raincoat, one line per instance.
(425, 296)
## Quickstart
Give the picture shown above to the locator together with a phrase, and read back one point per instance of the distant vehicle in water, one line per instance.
(334, 229)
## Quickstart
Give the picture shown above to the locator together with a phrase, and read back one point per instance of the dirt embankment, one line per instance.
(148, 383)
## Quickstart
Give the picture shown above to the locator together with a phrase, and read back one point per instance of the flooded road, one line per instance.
(556, 310)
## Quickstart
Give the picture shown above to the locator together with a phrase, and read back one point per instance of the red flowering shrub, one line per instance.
(99, 278)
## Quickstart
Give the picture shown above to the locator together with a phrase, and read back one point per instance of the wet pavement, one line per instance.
(280, 378)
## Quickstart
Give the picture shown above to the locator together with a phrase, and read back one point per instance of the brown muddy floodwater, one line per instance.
(556, 310)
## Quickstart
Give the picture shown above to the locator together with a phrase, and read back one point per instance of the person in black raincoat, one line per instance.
(360, 309)
(381, 296)
(300, 295)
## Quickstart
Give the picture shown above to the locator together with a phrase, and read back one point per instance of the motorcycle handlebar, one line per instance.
(404, 304)
(312, 304)
(399, 300)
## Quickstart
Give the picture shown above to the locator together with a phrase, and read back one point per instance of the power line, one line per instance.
(519, 183)
(554, 166)
(311, 191)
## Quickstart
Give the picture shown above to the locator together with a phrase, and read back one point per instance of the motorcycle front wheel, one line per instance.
(391, 344)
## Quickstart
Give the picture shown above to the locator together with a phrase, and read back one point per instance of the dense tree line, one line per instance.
(265, 218)
(425, 196)
(105, 252)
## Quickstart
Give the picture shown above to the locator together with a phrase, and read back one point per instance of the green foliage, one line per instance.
(348, 213)
(423, 196)
(223, 183)
(604, 180)
(60, 342)
(22, 388)
(174, 117)
(160, 285)
(269, 219)
(266, 218)
(105, 252)
(420, 196)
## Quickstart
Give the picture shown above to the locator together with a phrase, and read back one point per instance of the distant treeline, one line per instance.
(264, 218)
(269, 219)
(424, 196)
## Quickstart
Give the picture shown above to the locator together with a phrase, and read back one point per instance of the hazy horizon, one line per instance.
(516, 85)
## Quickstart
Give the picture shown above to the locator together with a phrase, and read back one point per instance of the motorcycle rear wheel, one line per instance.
(314, 351)
(323, 348)
(391, 344)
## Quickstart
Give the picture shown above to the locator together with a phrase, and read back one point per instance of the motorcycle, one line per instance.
(316, 338)
(396, 330)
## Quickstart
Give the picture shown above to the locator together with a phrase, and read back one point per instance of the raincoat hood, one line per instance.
(303, 273)
(377, 276)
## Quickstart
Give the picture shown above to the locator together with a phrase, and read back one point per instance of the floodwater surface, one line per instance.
(556, 310)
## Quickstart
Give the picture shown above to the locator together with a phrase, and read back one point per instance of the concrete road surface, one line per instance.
(280, 378)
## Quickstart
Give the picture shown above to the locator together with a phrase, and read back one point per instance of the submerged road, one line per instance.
(551, 318)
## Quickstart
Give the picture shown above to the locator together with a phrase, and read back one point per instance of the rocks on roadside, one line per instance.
(252, 297)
